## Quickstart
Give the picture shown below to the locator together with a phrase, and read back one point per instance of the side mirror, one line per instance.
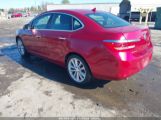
(26, 27)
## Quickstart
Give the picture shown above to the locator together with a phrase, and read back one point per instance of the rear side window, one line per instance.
(61, 22)
(65, 22)
(108, 20)
(76, 24)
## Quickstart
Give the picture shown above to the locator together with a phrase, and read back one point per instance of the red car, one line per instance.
(15, 15)
(90, 44)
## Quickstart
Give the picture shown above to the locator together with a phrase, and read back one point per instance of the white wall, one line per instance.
(103, 7)
(113, 8)
(145, 4)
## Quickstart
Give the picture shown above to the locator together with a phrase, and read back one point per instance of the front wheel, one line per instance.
(21, 48)
(78, 70)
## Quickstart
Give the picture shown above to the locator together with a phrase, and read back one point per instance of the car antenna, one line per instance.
(94, 10)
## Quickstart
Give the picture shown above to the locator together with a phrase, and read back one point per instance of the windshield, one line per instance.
(108, 20)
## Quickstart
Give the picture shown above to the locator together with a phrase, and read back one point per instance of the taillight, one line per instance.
(121, 44)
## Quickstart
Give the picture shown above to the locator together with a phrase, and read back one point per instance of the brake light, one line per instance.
(121, 44)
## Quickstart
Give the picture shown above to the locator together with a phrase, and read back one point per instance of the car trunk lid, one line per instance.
(133, 38)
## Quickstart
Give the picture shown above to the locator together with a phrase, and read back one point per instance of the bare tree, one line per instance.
(44, 5)
(11, 10)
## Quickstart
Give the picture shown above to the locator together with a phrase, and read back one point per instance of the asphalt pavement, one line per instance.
(37, 88)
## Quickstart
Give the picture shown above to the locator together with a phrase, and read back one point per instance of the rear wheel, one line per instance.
(21, 48)
(78, 70)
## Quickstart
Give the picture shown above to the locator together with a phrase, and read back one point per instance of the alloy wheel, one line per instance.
(77, 70)
(20, 47)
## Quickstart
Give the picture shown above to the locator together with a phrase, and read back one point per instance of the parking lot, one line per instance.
(37, 88)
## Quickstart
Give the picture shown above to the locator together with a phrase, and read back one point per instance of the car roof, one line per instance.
(78, 11)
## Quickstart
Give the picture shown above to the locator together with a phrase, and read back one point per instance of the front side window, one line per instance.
(61, 22)
(41, 22)
(108, 20)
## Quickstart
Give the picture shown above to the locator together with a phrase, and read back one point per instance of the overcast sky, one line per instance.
(27, 3)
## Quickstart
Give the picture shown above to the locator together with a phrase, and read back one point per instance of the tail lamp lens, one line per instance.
(122, 44)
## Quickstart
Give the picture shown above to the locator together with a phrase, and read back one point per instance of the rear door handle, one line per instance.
(38, 36)
(62, 38)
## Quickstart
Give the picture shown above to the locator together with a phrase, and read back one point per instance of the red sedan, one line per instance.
(90, 44)
(15, 15)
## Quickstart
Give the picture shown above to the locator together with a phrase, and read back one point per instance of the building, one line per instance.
(2, 14)
(152, 4)
(109, 7)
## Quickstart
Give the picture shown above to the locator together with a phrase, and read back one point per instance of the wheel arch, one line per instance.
(81, 56)
(17, 37)
(73, 53)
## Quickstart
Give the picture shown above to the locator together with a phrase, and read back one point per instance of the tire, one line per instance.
(21, 48)
(78, 70)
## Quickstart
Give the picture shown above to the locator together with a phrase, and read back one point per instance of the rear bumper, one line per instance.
(121, 65)
(133, 66)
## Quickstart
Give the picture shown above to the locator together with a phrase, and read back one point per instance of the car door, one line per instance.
(34, 40)
(58, 35)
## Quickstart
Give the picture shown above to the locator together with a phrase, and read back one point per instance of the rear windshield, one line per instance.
(108, 20)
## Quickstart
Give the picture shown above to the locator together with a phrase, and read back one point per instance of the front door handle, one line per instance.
(62, 38)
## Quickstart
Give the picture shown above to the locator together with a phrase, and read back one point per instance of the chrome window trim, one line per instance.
(56, 29)
(121, 41)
